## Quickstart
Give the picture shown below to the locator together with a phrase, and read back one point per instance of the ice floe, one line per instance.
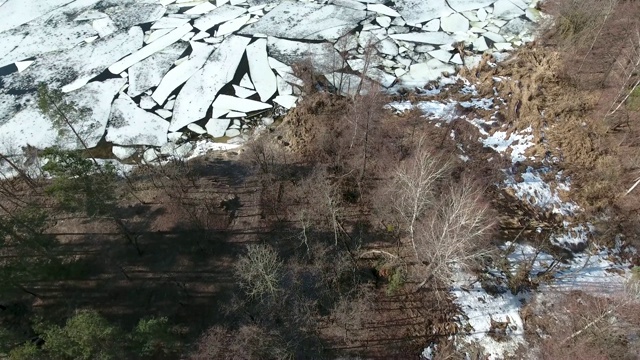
(130, 125)
(150, 71)
(308, 21)
(198, 93)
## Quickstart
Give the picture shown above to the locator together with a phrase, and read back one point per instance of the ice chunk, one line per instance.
(324, 58)
(23, 65)
(218, 16)
(196, 128)
(198, 93)
(217, 127)
(466, 5)
(232, 133)
(201, 9)
(287, 101)
(72, 69)
(17, 12)
(480, 44)
(149, 72)
(236, 114)
(146, 102)
(181, 73)
(29, 127)
(246, 82)
(348, 84)
(382, 9)
(150, 49)
(163, 113)
(437, 38)
(128, 15)
(419, 11)
(130, 125)
(387, 46)
(263, 77)
(232, 25)
(238, 104)
(94, 103)
(46, 34)
(384, 21)
(433, 25)
(169, 23)
(242, 92)
(351, 4)
(284, 88)
(422, 73)
(441, 54)
(104, 27)
(306, 21)
(454, 23)
(122, 152)
(506, 9)
(457, 59)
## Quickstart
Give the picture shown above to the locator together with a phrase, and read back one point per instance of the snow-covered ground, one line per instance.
(596, 270)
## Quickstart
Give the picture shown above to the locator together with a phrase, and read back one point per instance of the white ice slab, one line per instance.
(74, 68)
(263, 77)
(130, 125)
(432, 25)
(201, 35)
(419, 11)
(128, 14)
(457, 59)
(382, 9)
(17, 12)
(384, 21)
(150, 71)
(422, 73)
(238, 104)
(242, 92)
(246, 81)
(23, 65)
(480, 44)
(196, 128)
(218, 16)
(146, 102)
(164, 113)
(287, 101)
(181, 73)
(284, 88)
(217, 127)
(150, 49)
(232, 25)
(169, 23)
(506, 9)
(104, 27)
(235, 114)
(442, 55)
(198, 93)
(43, 35)
(155, 35)
(351, 4)
(437, 38)
(201, 9)
(122, 152)
(387, 46)
(95, 101)
(454, 23)
(324, 58)
(466, 5)
(309, 21)
(347, 84)
(27, 127)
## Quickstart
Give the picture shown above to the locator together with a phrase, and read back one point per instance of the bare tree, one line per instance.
(453, 233)
(259, 271)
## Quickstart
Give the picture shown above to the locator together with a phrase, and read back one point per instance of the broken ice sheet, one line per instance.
(419, 11)
(324, 58)
(130, 125)
(242, 92)
(218, 16)
(437, 38)
(93, 101)
(150, 71)
(232, 25)
(150, 49)
(348, 84)
(306, 21)
(72, 69)
(181, 73)
(287, 101)
(263, 77)
(127, 15)
(198, 93)
(17, 12)
(454, 23)
(465, 5)
(238, 104)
